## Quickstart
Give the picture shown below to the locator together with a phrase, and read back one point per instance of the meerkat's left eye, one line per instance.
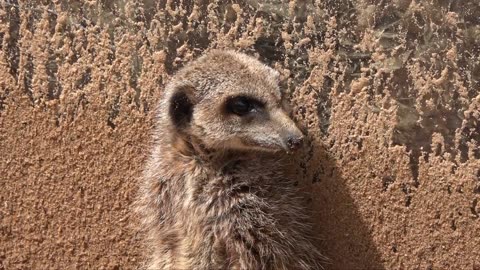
(242, 105)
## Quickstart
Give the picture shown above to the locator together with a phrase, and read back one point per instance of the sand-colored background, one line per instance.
(388, 92)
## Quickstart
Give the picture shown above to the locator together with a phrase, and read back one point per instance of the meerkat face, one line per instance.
(232, 101)
(244, 119)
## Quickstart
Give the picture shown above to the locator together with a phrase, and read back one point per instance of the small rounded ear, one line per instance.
(181, 106)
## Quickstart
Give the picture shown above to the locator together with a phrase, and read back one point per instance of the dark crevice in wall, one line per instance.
(54, 86)
(52, 19)
(408, 194)
(28, 77)
(270, 49)
(114, 111)
(135, 72)
(85, 79)
(474, 208)
(197, 37)
(3, 96)
(12, 50)
(387, 181)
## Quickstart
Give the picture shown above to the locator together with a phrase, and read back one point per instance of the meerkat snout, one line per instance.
(290, 137)
(294, 142)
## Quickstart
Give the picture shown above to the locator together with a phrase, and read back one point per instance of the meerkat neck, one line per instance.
(192, 148)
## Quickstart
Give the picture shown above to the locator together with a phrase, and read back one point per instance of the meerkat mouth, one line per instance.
(265, 147)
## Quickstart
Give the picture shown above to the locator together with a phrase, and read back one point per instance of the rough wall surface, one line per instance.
(387, 91)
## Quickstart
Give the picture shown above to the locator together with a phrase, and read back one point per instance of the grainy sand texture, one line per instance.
(388, 93)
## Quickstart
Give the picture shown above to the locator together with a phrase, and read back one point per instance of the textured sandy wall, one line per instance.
(388, 92)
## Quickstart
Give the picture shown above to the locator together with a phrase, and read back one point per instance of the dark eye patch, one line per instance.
(243, 105)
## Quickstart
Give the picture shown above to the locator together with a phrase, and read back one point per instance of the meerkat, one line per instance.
(213, 194)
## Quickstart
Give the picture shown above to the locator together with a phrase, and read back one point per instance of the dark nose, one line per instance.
(294, 143)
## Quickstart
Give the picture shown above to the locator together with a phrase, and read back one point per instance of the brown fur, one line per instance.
(214, 195)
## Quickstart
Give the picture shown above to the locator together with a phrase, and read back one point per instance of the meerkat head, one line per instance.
(230, 101)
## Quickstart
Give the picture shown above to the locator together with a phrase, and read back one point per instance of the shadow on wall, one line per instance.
(342, 234)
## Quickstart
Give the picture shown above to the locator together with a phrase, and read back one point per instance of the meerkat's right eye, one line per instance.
(242, 105)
